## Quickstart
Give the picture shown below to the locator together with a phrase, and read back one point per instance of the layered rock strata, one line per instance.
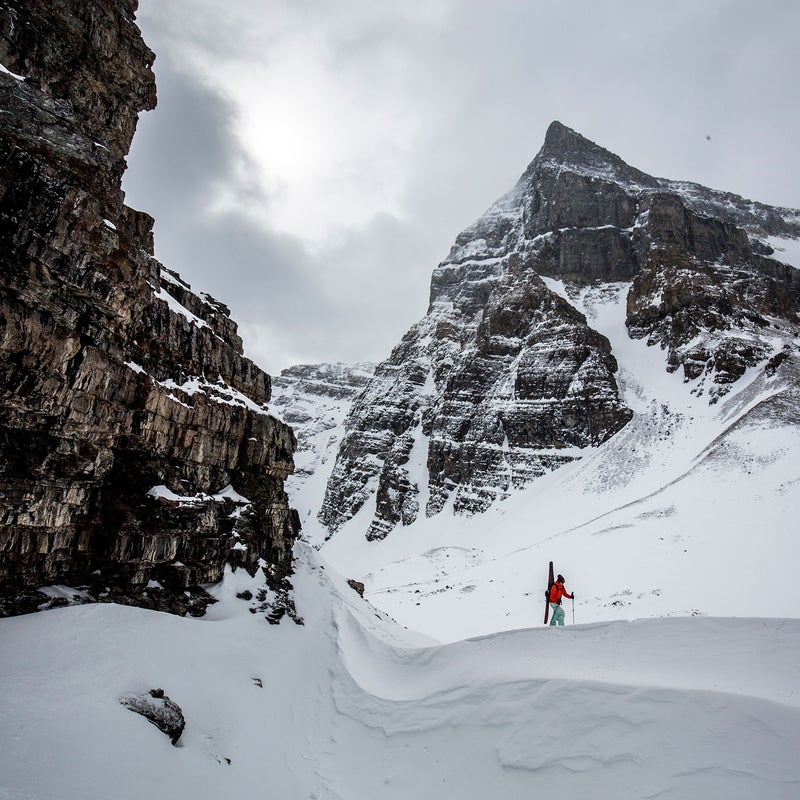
(503, 379)
(138, 456)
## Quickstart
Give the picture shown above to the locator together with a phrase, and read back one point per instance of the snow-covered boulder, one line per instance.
(159, 709)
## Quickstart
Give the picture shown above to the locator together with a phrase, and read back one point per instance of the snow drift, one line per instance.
(350, 705)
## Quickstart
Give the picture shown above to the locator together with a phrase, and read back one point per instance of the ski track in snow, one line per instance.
(354, 707)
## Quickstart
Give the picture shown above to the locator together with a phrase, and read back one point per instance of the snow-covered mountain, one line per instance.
(315, 400)
(686, 510)
(691, 509)
(506, 378)
(624, 340)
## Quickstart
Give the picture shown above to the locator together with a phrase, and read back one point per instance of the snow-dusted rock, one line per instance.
(155, 706)
(315, 399)
(503, 379)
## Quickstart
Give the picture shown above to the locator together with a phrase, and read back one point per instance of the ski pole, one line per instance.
(573, 610)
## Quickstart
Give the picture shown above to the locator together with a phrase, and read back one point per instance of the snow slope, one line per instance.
(690, 510)
(314, 400)
(353, 706)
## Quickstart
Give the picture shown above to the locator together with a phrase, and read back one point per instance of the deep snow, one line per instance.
(352, 706)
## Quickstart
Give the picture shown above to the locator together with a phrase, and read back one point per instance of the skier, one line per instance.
(558, 591)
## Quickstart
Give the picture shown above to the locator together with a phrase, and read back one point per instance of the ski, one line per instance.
(550, 581)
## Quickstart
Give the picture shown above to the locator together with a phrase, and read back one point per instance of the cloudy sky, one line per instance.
(311, 161)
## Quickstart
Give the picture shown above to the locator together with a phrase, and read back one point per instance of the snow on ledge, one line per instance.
(14, 75)
(219, 392)
(134, 366)
(161, 492)
(229, 493)
(174, 305)
(67, 592)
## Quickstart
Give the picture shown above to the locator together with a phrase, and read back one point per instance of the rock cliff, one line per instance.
(504, 379)
(138, 455)
(315, 400)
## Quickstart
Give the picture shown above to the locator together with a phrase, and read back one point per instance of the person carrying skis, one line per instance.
(557, 591)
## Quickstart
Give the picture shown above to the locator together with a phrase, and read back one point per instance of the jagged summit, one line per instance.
(560, 138)
(565, 147)
(574, 185)
(565, 186)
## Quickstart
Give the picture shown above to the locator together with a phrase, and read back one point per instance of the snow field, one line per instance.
(684, 522)
(353, 706)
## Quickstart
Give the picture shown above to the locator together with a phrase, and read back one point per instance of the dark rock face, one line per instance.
(158, 709)
(115, 379)
(503, 379)
(704, 293)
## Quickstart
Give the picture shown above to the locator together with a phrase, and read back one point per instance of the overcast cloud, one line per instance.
(310, 161)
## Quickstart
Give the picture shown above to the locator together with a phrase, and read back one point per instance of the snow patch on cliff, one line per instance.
(786, 250)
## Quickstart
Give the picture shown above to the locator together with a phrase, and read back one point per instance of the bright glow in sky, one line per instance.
(310, 163)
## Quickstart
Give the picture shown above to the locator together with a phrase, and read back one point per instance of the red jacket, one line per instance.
(557, 591)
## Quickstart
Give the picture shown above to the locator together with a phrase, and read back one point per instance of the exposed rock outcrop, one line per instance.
(138, 456)
(158, 709)
(504, 379)
(356, 586)
(706, 294)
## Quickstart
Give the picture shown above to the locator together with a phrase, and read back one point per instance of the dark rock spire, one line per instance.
(568, 148)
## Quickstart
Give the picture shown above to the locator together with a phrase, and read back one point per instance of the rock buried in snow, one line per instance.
(164, 713)
(356, 586)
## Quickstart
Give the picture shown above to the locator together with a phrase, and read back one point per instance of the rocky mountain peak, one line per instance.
(504, 379)
(564, 144)
(565, 148)
(571, 184)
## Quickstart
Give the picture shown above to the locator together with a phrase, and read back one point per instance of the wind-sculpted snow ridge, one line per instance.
(351, 706)
(504, 379)
(605, 711)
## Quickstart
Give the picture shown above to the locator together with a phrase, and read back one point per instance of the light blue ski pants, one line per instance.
(558, 614)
